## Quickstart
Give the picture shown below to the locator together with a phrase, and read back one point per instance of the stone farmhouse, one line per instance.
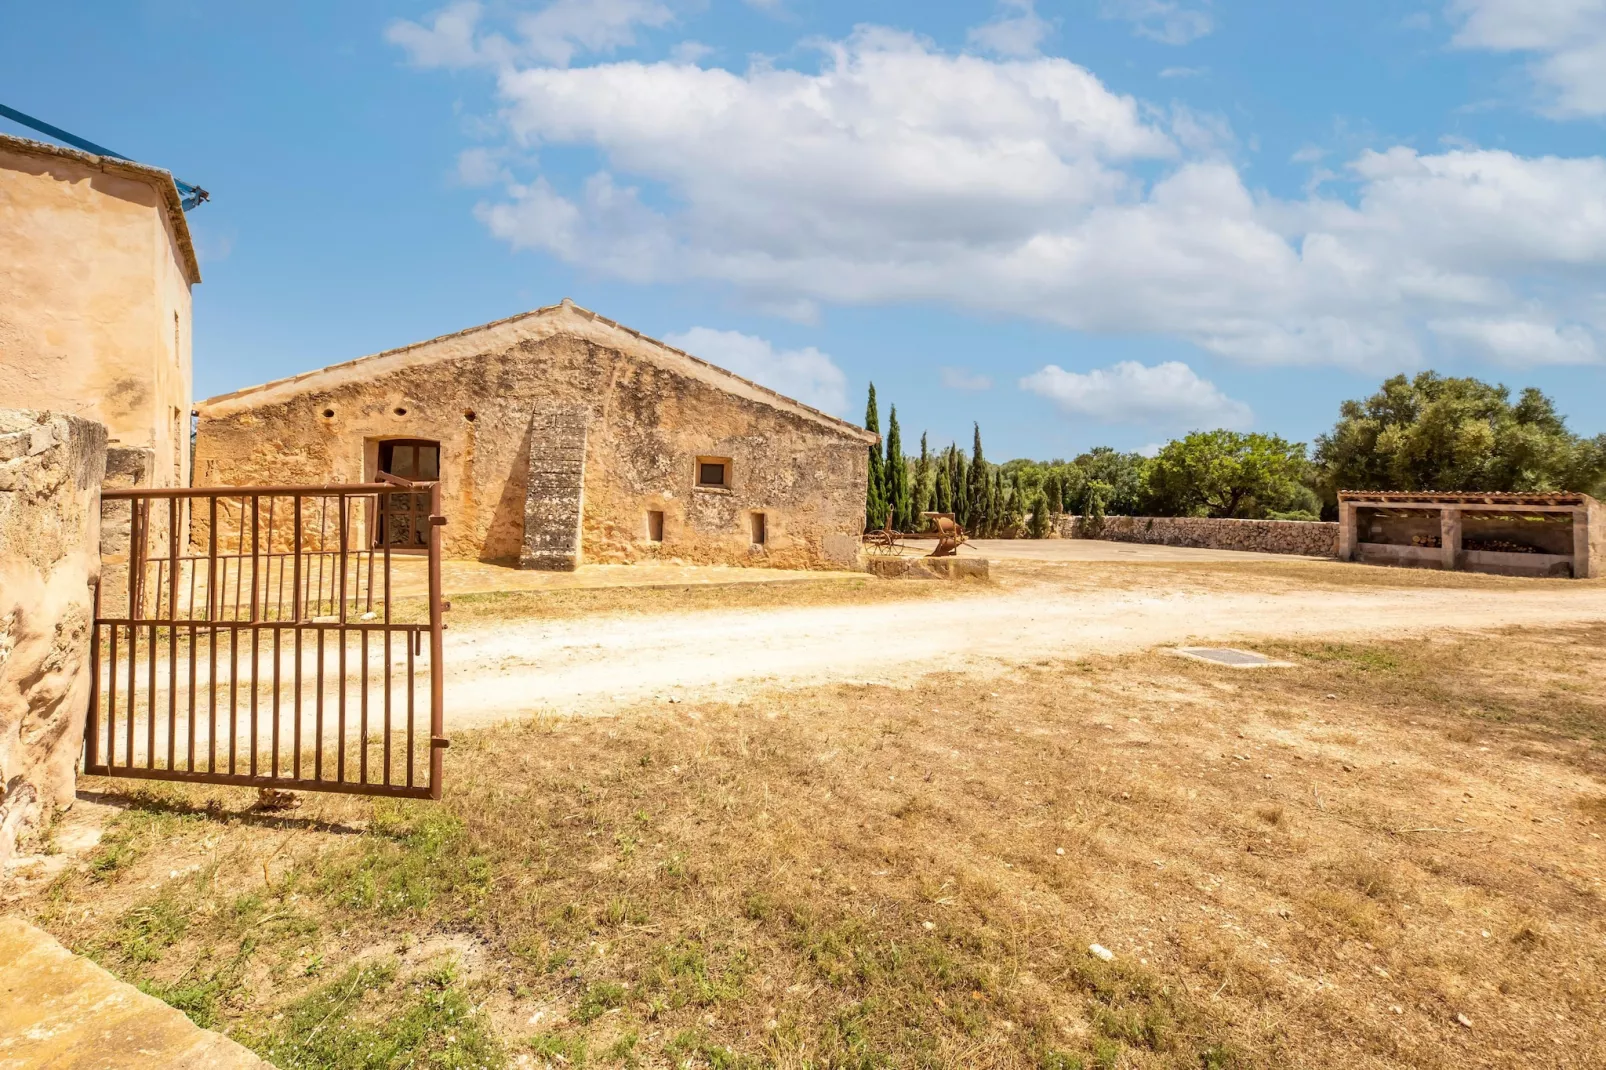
(559, 437)
(96, 267)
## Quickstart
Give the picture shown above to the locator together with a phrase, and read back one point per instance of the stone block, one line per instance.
(554, 497)
(49, 564)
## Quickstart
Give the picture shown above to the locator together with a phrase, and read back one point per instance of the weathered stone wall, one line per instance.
(96, 267)
(51, 467)
(554, 498)
(650, 413)
(1311, 538)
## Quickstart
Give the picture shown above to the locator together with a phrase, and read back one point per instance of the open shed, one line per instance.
(1507, 534)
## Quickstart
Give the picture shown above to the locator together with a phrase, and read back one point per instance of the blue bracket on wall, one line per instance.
(190, 196)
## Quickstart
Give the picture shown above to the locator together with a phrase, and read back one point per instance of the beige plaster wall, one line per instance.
(51, 466)
(648, 424)
(95, 299)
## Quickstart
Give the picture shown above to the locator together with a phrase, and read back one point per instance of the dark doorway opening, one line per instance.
(404, 515)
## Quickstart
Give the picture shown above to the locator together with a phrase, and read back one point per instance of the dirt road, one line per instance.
(592, 664)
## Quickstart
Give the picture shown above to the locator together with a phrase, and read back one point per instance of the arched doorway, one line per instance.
(404, 520)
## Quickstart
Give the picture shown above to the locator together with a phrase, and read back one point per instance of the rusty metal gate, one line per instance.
(270, 637)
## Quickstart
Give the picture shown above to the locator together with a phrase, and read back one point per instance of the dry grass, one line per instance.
(559, 603)
(1317, 867)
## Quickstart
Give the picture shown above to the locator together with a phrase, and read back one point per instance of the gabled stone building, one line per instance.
(560, 437)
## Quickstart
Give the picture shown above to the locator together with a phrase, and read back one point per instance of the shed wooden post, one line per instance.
(1346, 531)
(1450, 536)
(1584, 563)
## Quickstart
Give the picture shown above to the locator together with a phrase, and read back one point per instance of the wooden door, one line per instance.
(404, 519)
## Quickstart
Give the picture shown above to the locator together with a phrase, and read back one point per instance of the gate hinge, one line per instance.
(439, 741)
(438, 520)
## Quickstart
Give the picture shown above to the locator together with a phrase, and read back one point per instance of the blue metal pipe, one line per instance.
(190, 196)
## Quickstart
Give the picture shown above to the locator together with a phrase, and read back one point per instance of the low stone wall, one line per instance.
(1311, 538)
(51, 468)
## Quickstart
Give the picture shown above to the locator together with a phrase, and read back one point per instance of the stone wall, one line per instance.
(650, 412)
(554, 500)
(51, 468)
(1311, 538)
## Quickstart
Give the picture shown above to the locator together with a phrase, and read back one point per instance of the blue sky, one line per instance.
(1079, 222)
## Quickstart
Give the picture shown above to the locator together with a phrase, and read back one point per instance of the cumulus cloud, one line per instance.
(1169, 395)
(1166, 21)
(1017, 31)
(960, 379)
(806, 375)
(896, 172)
(555, 33)
(1567, 39)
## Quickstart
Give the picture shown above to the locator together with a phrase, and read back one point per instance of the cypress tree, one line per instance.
(923, 488)
(1055, 494)
(943, 492)
(961, 488)
(978, 486)
(875, 500)
(1018, 504)
(898, 506)
(1040, 508)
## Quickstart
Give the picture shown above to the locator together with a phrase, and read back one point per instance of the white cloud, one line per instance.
(1168, 395)
(900, 173)
(1522, 342)
(448, 41)
(805, 374)
(1184, 72)
(691, 52)
(481, 167)
(1017, 31)
(556, 33)
(960, 379)
(1166, 21)
(1566, 37)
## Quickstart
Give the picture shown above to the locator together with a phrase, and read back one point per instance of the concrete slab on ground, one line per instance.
(61, 1011)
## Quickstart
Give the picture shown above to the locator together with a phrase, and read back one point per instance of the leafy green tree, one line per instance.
(1123, 476)
(943, 491)
(875, 501)
(1227, 474)
(899, 505)
(1441, 433)
(1040, 511)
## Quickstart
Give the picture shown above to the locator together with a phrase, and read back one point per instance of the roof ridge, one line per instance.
(544, 310)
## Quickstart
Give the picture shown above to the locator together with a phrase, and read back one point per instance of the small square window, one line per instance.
(655, 525)
(713, 472)
(761, 534)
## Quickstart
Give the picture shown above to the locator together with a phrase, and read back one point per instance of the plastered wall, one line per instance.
(95, 299)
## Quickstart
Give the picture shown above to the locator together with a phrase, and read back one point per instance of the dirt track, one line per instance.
(590, 664)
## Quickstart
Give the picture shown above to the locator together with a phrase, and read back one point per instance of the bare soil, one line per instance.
(1389, 855)
(516, 656)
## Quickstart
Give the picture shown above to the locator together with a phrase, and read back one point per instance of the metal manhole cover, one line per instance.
(1237, 659)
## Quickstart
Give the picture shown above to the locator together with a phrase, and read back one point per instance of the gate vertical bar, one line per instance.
(437, 678)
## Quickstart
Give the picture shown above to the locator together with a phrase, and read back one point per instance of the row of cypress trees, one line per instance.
(985, 500)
